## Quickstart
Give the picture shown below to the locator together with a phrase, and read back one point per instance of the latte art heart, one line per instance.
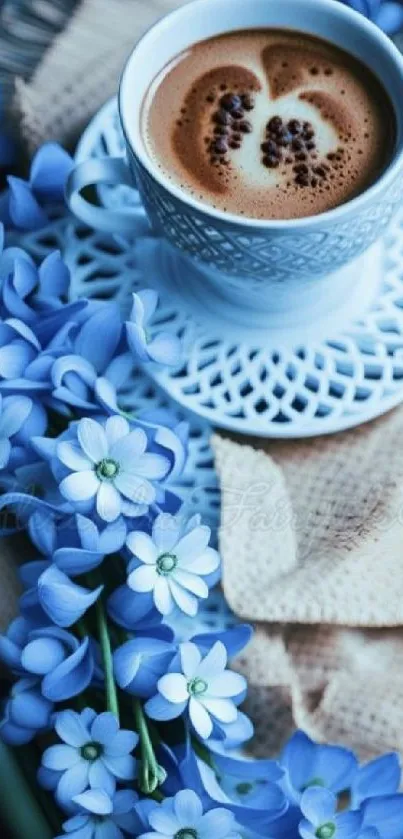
(269, 124)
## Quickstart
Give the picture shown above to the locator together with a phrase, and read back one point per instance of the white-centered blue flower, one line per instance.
(204, 689)
(322, 821)
(102, 816)
(94, 753)
(183, 817)
(109, 463)
(174, 559)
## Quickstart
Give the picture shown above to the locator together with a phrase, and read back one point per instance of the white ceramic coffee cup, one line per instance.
(290, 269)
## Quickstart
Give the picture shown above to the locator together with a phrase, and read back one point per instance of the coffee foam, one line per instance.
(299, 79)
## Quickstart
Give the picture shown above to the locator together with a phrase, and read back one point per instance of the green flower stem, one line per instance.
(106, 650)
(19, 805)
(151, 774)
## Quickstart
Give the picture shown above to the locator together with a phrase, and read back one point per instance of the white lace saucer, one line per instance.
(239, 378)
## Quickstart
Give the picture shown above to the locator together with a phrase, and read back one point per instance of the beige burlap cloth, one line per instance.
(312, 543)
(312, 532)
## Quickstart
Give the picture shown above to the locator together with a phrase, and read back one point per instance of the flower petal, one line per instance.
(92, 439)
(80, 486)
(152, 466)
(166, 530)
(72, 782)
(123, 767)
(70, 728)
(143, 579)
(42, 655)
(60, 757)
(157, 708)
(173, 687)
(162, 596)
(5, 451)
(23, 206)
(129, 448)
(165, 349)
(214, 662)
(190, 659)
(115, 428)
(200, 719)
(123, 743)
(64, 601)
(218, 823)
(136, 489)
(193, 543)
(73, 457)
(16, 410)
(164, 821)
(142, 546)
(227, 684)
(72, 676)
(318, 805)
(191, 582)
(186, 601)
(206, 563)
(348, 824)
(188, 808)
(100, 778)
(223, 709)
(108, 502)
(50, 168)
(95, 801)
(104, 728)
(14, 358)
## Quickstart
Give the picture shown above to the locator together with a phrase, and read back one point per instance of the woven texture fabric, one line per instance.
(311, 538)
(81, 70)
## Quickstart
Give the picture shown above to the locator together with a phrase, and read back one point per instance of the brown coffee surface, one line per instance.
(269, 124)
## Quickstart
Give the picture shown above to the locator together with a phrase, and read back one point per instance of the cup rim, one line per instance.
(216, 215)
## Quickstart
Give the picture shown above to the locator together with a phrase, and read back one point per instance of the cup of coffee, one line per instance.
(266, 141)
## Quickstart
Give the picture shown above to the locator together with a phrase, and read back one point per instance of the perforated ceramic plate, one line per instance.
(237, 382)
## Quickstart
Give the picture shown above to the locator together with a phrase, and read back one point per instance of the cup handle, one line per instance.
(108, 170)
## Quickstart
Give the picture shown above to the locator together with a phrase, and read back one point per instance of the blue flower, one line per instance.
(250, 788)
(102, 817)
(26, 713)
(309, 764)
(27, 351)
(384, 814)
(378, 777)
(75, 374)
(58, 663)
(172, 563)
(26, 200)
(137, 614)
(140, 663)
(64, 601)
(76, 545)
(321, 819)
(108, 466)
(163, 348)
(94, 753)
(182, 817)
(388, 14)
(28, 292)
(247, 788)
(204, 689)
(20, 419)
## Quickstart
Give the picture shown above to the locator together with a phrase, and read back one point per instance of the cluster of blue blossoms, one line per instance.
(139, 730)
(137, 727)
